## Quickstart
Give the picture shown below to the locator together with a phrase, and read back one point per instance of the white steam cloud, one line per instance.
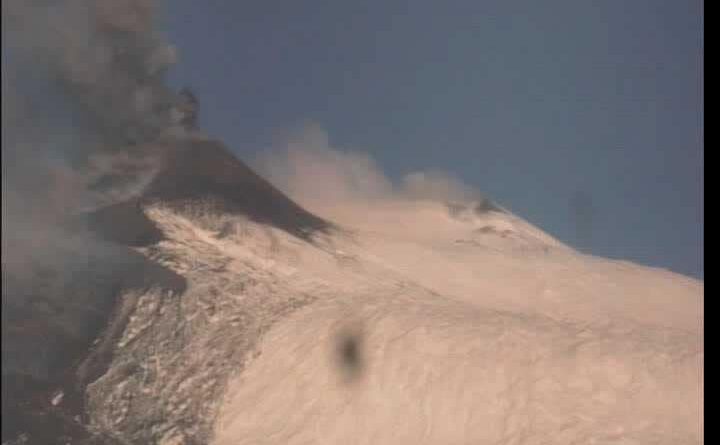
(313, 172)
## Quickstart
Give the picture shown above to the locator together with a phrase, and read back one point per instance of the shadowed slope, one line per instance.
(201, 171)
(205, 170)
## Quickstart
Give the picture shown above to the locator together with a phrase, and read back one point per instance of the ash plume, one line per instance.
(104, 57)
(83, 87)
(82, 90)
(83, 101)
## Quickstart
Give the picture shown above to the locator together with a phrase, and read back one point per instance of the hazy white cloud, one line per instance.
(310, 169)
(307, 167)
(437, 186)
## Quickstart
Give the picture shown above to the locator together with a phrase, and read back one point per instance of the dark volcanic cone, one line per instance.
(204, 169)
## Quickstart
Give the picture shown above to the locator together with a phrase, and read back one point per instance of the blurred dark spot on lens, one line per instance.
(349, 354)
(583, 213)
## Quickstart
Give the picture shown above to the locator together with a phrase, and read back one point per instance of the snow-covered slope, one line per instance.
(413, 323)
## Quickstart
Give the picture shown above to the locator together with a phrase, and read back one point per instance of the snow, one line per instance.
(390, 331)
(439, 372)
(514, 340)
(57, 398)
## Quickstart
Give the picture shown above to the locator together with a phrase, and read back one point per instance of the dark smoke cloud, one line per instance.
(103, 55)
(82, 89)
(83, 97)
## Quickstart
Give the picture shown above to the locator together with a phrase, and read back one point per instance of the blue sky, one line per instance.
(531, 102)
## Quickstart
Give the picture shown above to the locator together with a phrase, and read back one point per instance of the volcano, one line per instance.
(216, 310)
